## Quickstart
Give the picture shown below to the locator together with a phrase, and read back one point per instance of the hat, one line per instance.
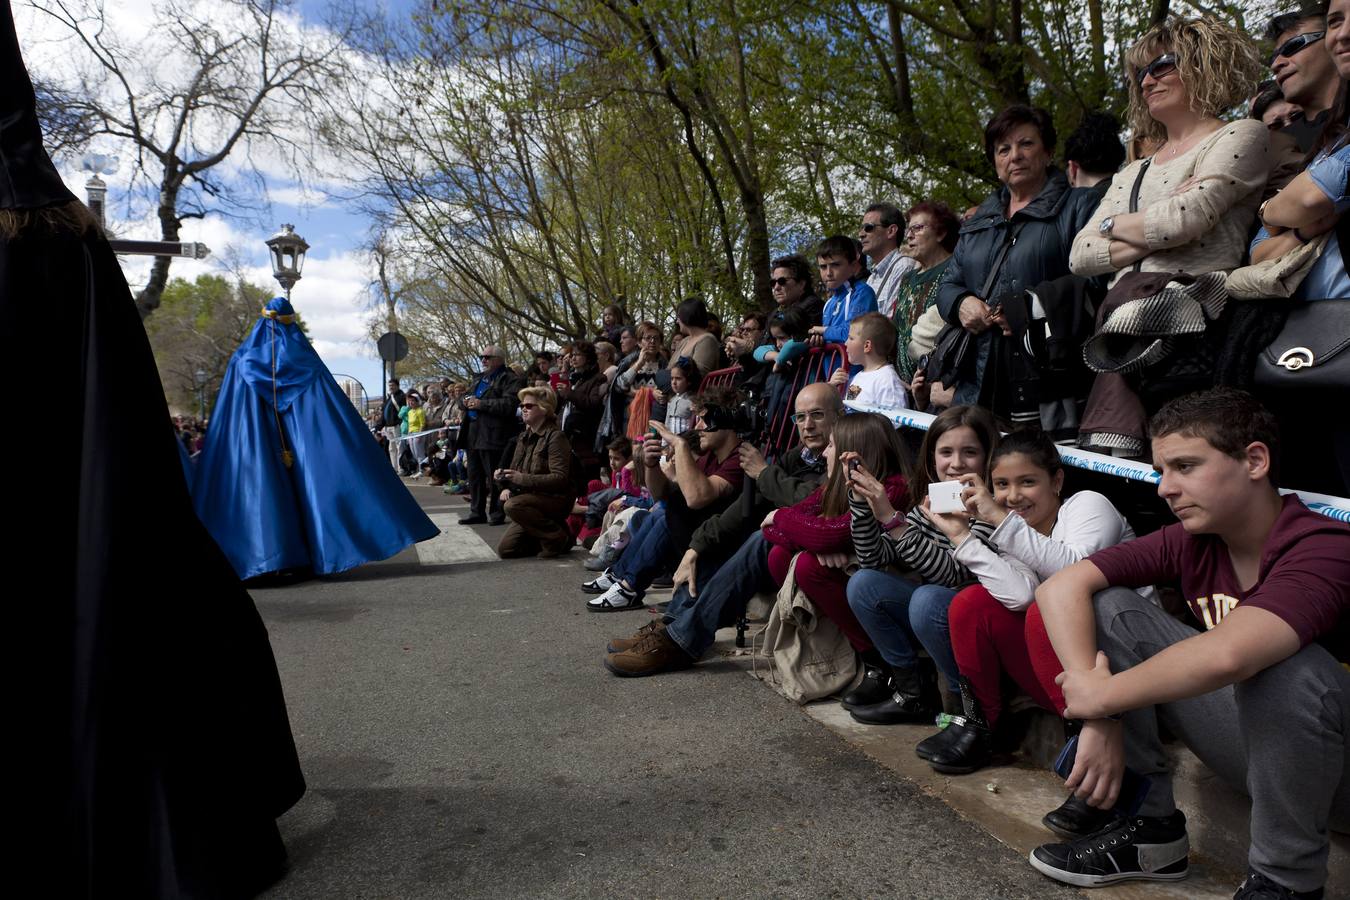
(28, 180)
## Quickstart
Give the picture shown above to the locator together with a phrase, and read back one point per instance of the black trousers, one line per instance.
(483, 495)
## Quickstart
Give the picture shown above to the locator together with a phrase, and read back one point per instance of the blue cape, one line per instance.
(338, 505)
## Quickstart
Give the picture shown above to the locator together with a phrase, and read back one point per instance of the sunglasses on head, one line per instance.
(1160, 68)
(1295, 44)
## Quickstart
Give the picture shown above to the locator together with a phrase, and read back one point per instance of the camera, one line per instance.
(746, 419)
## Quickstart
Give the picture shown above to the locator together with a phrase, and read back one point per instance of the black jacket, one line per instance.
(392, 404)
(789, 481)
(1040, 253)
(496, 422)
(587, 399)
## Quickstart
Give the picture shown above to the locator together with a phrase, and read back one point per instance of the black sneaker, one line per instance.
(1138, 848)
(1258, 887)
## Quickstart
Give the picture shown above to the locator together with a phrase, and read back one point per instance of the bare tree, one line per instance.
(219, 81)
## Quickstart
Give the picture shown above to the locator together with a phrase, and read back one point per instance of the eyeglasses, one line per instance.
(1160, 68)
(916, 228)
(1295, 44)
(529, 406)
(487, 356)
(815, 415)
(650, 337)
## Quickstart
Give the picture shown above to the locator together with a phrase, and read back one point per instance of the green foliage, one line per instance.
(549, 157)
(197, 328)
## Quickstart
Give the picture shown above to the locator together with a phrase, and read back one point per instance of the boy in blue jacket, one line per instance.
(849, 296)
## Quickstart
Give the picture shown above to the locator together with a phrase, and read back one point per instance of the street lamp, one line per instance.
(201, 394)
(288, 257)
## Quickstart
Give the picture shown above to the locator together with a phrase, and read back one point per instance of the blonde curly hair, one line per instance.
(542, 395)
(1219, 66)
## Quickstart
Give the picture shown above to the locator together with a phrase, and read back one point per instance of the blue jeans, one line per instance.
(647, 553)
(724, 591)
(900, 616)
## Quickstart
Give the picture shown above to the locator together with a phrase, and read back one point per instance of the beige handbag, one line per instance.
(811, 657)
(1278, 277)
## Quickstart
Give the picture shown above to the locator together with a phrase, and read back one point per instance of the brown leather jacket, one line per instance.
(543, 461)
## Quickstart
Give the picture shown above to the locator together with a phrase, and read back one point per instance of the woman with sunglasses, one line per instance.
(536, 489)
(1195, 197)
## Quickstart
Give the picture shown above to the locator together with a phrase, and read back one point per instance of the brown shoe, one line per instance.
(619, 645)
(654, 654)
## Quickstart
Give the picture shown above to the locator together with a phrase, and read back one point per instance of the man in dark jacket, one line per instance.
(490, 421)
(728, 559)
(394, 399)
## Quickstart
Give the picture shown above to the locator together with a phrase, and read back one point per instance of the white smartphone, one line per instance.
(945, 497)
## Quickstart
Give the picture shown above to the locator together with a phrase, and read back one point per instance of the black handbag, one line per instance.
(1309, 353)
(954, 353)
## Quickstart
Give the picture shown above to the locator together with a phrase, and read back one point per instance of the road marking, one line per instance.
(455, 544)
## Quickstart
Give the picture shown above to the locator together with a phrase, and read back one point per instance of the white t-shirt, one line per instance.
(881, 387)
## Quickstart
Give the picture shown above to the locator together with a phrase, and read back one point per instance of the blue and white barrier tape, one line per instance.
(1131, 470)
(409, 437)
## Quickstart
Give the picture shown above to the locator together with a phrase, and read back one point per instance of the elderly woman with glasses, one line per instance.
(537, 486)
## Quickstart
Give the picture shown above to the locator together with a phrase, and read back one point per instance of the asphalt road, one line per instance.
(461, 739)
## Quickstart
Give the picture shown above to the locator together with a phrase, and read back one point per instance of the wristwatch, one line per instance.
(1107, 224)
(896, 519)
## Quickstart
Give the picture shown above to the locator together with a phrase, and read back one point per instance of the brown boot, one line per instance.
(654, 654)
(619, 645)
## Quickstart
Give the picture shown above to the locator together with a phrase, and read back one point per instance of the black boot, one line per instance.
(905, 704)
(1075, 819)
(875, 687)
(966, 747)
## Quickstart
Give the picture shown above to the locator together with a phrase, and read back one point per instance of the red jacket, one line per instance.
(801, 527)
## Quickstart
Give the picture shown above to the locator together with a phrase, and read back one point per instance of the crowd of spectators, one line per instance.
(1082, 304)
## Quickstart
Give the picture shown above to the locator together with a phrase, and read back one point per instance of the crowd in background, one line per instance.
(1098, 303)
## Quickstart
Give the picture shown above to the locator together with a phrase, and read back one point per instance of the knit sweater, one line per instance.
(802, 527)
(1202, 229)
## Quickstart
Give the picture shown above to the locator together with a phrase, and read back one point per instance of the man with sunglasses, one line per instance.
(489, 424)
(882, 230)
(1303, 68)
(727, 562)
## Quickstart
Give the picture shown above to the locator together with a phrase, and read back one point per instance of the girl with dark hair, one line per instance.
(1035, 534)
(683, 385)
(901, 615)
(817, 532)
(699, 343)
(612, 321)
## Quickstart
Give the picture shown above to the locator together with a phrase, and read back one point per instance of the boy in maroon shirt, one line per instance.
(1260, 695)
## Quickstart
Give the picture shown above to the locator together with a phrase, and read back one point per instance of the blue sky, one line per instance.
(332, 294)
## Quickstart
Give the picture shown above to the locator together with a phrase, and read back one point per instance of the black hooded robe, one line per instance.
(152, 746)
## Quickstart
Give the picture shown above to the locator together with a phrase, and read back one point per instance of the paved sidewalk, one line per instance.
(461, 739)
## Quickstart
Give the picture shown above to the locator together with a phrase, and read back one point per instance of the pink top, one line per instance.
(801, 527)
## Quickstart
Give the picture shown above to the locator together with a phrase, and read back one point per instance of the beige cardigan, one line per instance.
(1204, 229)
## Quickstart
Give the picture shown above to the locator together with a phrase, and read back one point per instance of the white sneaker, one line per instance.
(601, 583)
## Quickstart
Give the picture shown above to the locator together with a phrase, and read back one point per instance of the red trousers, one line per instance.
(988, 640)
(827, 589)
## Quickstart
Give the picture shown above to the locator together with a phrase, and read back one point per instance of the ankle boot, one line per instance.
(905, 703)
(875, 687)
(966, 747)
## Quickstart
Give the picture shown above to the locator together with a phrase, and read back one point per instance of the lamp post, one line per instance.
(201, 394)
(288, 257)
